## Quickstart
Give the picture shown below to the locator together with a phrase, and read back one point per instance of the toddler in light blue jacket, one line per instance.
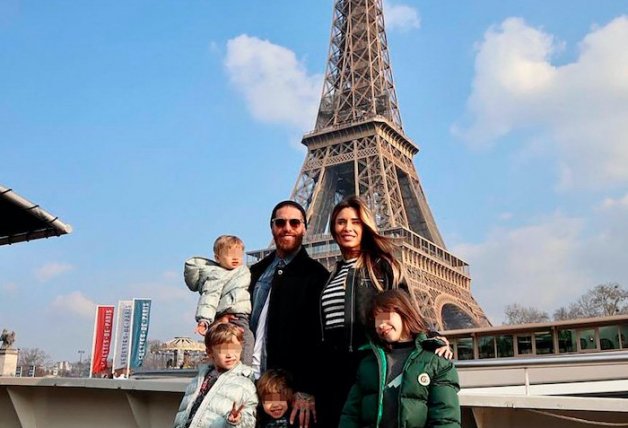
(223, 288)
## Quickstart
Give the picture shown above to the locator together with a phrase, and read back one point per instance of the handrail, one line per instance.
(607, 357)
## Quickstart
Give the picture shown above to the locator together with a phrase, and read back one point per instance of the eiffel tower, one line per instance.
(358, 147)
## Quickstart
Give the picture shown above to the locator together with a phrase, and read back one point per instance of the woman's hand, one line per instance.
(304, 405)
(444, 351)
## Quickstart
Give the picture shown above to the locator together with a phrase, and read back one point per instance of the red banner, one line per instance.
(102, 338)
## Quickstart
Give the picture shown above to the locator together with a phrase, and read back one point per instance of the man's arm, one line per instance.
(305, 404)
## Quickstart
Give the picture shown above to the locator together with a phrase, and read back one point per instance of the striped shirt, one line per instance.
(333, 298)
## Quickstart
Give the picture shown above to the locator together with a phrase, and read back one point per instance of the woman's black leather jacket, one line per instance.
(359, 294)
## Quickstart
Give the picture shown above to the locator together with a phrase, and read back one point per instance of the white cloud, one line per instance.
(9, 288)
(160, 292)
(607, 248)
(275, 84)
(167, 287)
(580, 107)
(51, 270)
(173, 308)
(506, 216)
(532, 265)
(214, 47)
(611, 203)
(401, 17)
(74, 303)
(550, 263)
(171, 275)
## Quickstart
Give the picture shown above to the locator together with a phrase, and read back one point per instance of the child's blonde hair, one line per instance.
(225, 242)
(219, 333)
(275, 381)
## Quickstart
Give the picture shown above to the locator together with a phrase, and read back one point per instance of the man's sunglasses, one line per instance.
(281, 222)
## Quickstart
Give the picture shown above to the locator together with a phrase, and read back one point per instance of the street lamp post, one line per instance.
(80, 352)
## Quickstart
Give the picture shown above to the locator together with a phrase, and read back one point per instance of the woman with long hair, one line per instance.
(368, 267)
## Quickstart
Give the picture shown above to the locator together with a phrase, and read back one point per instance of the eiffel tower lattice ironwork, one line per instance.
(358, 147)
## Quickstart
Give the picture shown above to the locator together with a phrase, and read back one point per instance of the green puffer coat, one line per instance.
(428, 395)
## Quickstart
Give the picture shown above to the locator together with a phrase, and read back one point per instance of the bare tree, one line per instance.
(602, 300)
(609, 299)
(153, 358)
(517, 314)
(564, 313)
(33, 357)
(581, 308)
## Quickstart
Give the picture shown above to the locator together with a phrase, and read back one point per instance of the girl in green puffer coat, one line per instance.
(400, 384)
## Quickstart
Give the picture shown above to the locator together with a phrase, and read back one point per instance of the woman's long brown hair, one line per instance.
(374, 246)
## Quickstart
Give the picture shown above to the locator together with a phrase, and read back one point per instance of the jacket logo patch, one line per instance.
(424, 379)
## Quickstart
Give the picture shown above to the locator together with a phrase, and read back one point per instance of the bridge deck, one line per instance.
(513, 394)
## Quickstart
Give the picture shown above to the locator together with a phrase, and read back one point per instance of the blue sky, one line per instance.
(153, 128)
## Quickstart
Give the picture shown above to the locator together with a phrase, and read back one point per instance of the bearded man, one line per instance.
(285, 293)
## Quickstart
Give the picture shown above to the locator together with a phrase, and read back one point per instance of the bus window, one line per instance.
(505, 346)
(544, 342)
(524, 345)
(623, 334)
(567, 341)
(464, 348)
(587, 339)
(609, 337)
(486, 346)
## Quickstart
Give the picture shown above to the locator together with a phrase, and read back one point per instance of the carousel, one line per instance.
(182, 353)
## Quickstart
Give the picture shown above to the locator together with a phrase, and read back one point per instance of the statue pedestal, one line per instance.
(8, 362)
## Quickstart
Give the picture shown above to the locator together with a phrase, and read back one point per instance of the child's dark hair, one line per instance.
(275, 381)
(397, 301)
(219, 333)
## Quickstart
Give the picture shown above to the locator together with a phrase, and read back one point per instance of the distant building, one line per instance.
(61, 368)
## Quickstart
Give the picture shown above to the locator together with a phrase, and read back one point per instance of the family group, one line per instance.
(291, 344)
